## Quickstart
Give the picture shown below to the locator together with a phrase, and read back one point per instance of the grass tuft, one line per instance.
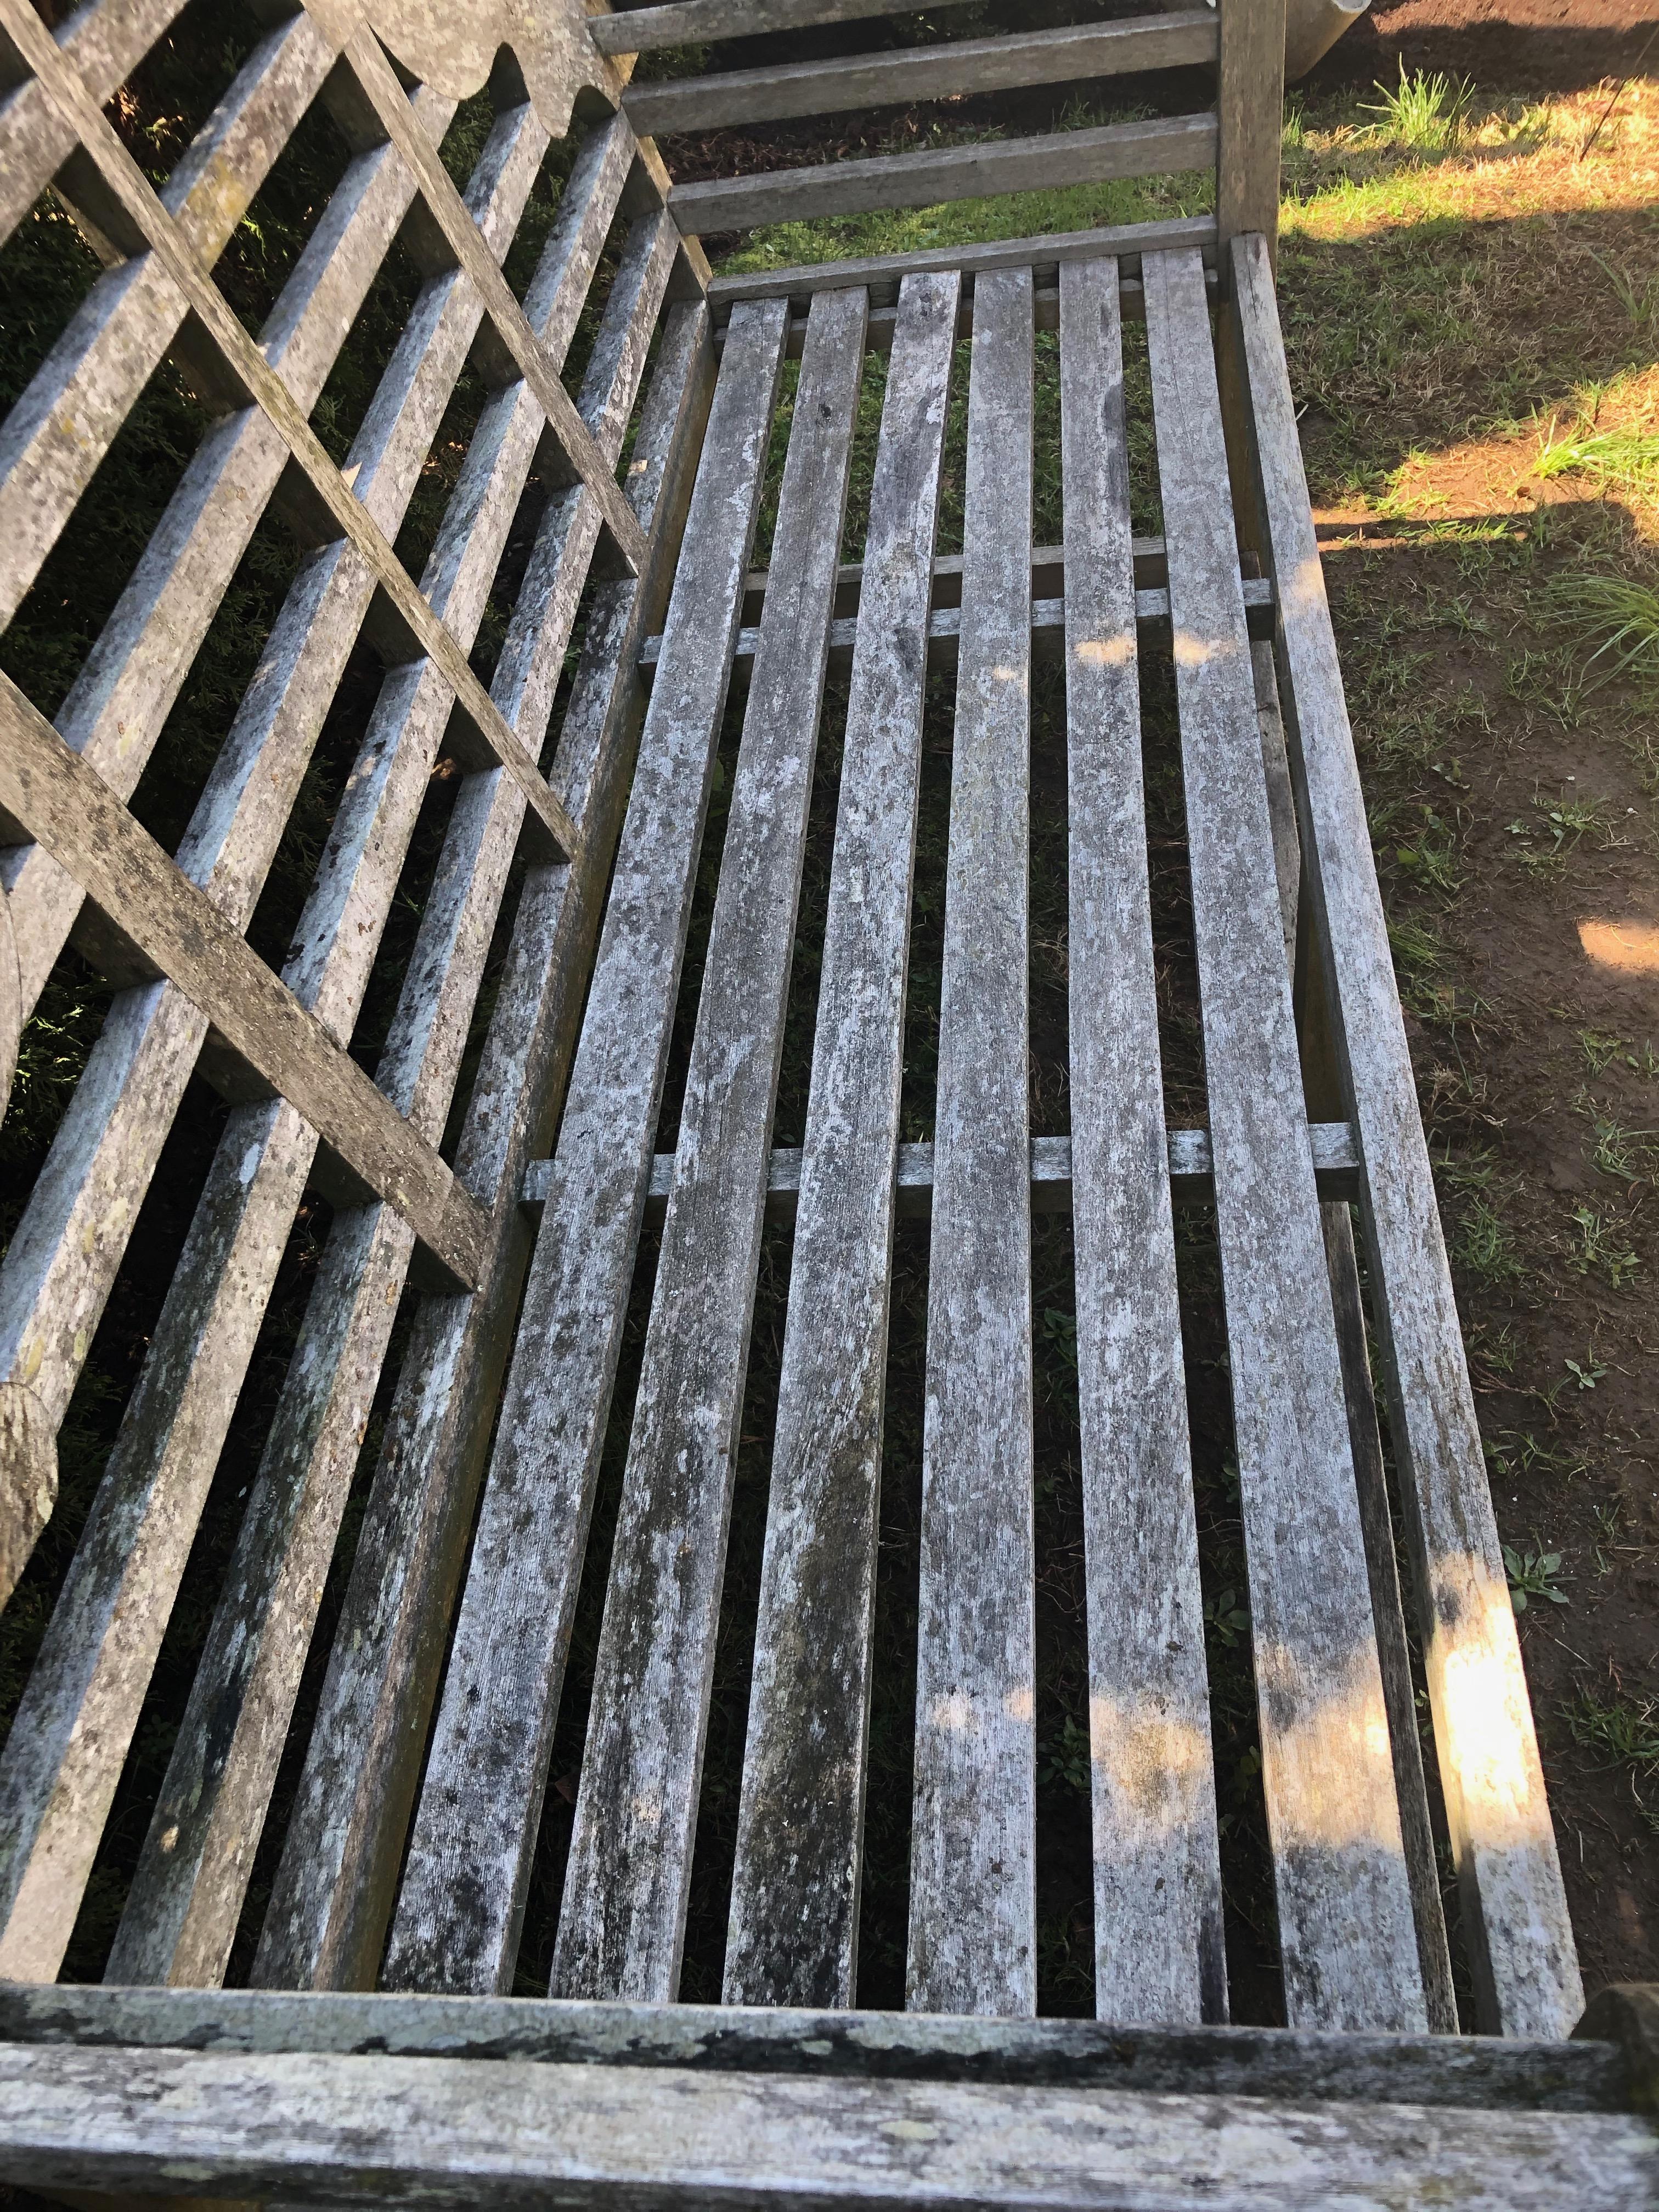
(1620, 615)
(1627, 458)
(1424, 111)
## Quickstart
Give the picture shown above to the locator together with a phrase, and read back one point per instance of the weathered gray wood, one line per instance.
(578, 1289)
(63, 425)
(629, 1876)
(1249, 115)
(336, 1889)
(689, 22)
(951, 173)
(1346, 1937)
(1158, 1944)
(104, 41)
(1048, 626)
(883, 273)
(181, 1913)
(1364, 1437)
(58, 1269)
(1485, 2071)
(1336, 1166)
(795, 1886)
(466, 2132)
(116, 706)
(507, 319)
(68, 808)
(60, 1768)
(911, 73)
(973, 1836)
(479, 725)
(1514, 1909)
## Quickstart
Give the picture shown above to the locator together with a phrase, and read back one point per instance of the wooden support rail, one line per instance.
(907, 74)
(1336, 1171)
(689, 22)
(1176, 144)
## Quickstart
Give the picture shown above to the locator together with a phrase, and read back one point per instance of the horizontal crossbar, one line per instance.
(1336, 1170)
(883, 273)
(1167, 146)
(689, 22)
(908, 72)
(1048, 625)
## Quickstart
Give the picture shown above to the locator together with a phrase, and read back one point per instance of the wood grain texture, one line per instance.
(628, 1874)
(972, 1942)
(457, 1924)
(883, 273)
(114, 709)
(84, 1693)
(63, 424)
(793, 1931)
(1158, 1949)
(911, 73)
(181, 1913)
(336, 1884)
(480, 728)
(1250, 114)
(954, 173)
(689, 22)
(463, 2132)
(1490, 2072)
(68, 808)
(1364, 1437)
(1346, 1937)
(1514, 1908)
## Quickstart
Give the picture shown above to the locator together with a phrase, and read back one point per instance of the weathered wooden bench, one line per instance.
(376, 2055)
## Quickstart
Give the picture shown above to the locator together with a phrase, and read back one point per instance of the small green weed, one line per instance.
(1532, 1575)
(1600, 1047)
(1427, 113)
(1600, 1248)
(1066, 1758)
(1226, 1619)
(1624, 1732)
(1620, 613)
(1640, 302)
(1589, 1374)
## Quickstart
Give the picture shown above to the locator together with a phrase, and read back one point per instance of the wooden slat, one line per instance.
(884, 272)
(479, 726)
(187, 1890)
(951, 172)
(1346, 1937)
(115, 709)
(795, 1886)
(60, 1768)
(507, 319)
(1159, 1948)
(689, 22)
(336, 1884)
(501, 1691)
(510, 2136)
(63, 425)
(1364, 1437)
(67, 807)
(911, 73)
(1335, 1172)
(1514, 1911)
(625, 1890)
(1249, 114)
(973, 1843)
(1493, 2072)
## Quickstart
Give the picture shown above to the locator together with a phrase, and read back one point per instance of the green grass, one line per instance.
(1616, 616)
(1627, 458)
(1425, 112)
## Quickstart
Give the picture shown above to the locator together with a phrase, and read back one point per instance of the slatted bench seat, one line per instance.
(363, 1852)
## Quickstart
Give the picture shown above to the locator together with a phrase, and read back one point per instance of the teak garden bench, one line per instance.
(491, 1183)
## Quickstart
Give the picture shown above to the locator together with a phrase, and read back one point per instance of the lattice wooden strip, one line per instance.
(1158, 1951)
(795, 1886)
